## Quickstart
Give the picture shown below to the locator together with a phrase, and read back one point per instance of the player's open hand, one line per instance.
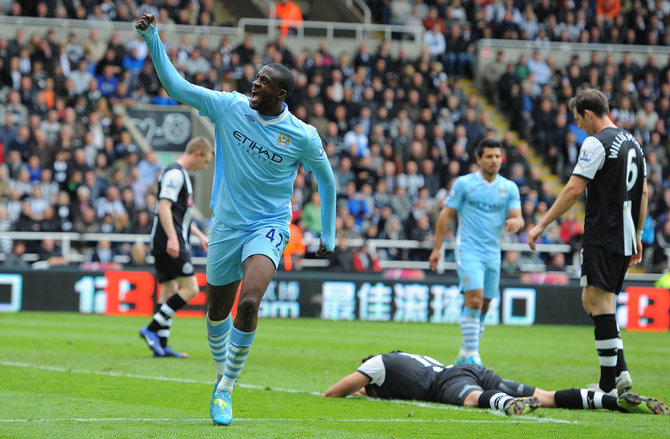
(321, 252)
(534, 233)
(434, 259)
(637, 257)
(144, 21)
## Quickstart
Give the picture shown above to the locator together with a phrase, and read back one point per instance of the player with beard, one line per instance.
(487, 203)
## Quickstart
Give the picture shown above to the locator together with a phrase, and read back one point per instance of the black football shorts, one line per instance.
(169, 268)
(603, 269)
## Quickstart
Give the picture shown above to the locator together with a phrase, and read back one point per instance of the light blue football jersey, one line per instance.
(483, 209)
(256, 157)
(257, 160)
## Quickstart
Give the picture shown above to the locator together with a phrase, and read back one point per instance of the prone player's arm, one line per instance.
(165, 217)
(176, 86)
(446, 215)
(349, 385)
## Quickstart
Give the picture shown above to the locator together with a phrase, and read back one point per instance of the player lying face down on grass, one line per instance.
(401, 375)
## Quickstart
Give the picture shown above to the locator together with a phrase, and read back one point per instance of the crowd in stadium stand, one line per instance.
(398, 129)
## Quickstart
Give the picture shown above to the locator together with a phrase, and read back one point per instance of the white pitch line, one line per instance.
(435, 406)
(143, 377)
(442, 421)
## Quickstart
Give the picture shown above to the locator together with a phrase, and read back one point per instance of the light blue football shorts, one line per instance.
(229, 248)
(477, 274)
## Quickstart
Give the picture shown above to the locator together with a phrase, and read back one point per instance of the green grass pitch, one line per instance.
(66, 375)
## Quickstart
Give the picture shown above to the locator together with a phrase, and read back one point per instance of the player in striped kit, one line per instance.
(170, 244)
(401, 375)
(612, 169)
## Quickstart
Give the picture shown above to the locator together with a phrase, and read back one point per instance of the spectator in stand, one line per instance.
(311, 214)
(510, 263)
(138, 256)
(290, 17)
(14, 260)
(492, 74)
(571, 229)
(103, 253)
(295, 249)
(110, 204)
(364, 260)
(662, 247)
(556, 263)
(434, 39)
(434, 18)
(50, 254)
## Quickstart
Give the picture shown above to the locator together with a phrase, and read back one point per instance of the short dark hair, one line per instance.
(487, 143)
(369, 356)
(285, 78)
(590, 99)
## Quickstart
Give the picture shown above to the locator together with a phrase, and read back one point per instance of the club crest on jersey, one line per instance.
(502, 192)
(250, 118)
(584, 156)
(283, 140)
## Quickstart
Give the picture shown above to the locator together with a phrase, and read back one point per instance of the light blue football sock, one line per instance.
(470, 328)
(218, 333)
(238, 350)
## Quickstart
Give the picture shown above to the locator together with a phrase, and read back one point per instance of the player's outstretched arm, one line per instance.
(176, 86)
(349, 385)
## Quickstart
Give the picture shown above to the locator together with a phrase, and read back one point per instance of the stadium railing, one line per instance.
(333, 29)
(268, 26)
(68, 240)
(268, 6)
(562, 52)
(374, 245)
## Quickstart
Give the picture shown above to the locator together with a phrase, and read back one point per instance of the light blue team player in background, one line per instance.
(259, 147)
(487, 203)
